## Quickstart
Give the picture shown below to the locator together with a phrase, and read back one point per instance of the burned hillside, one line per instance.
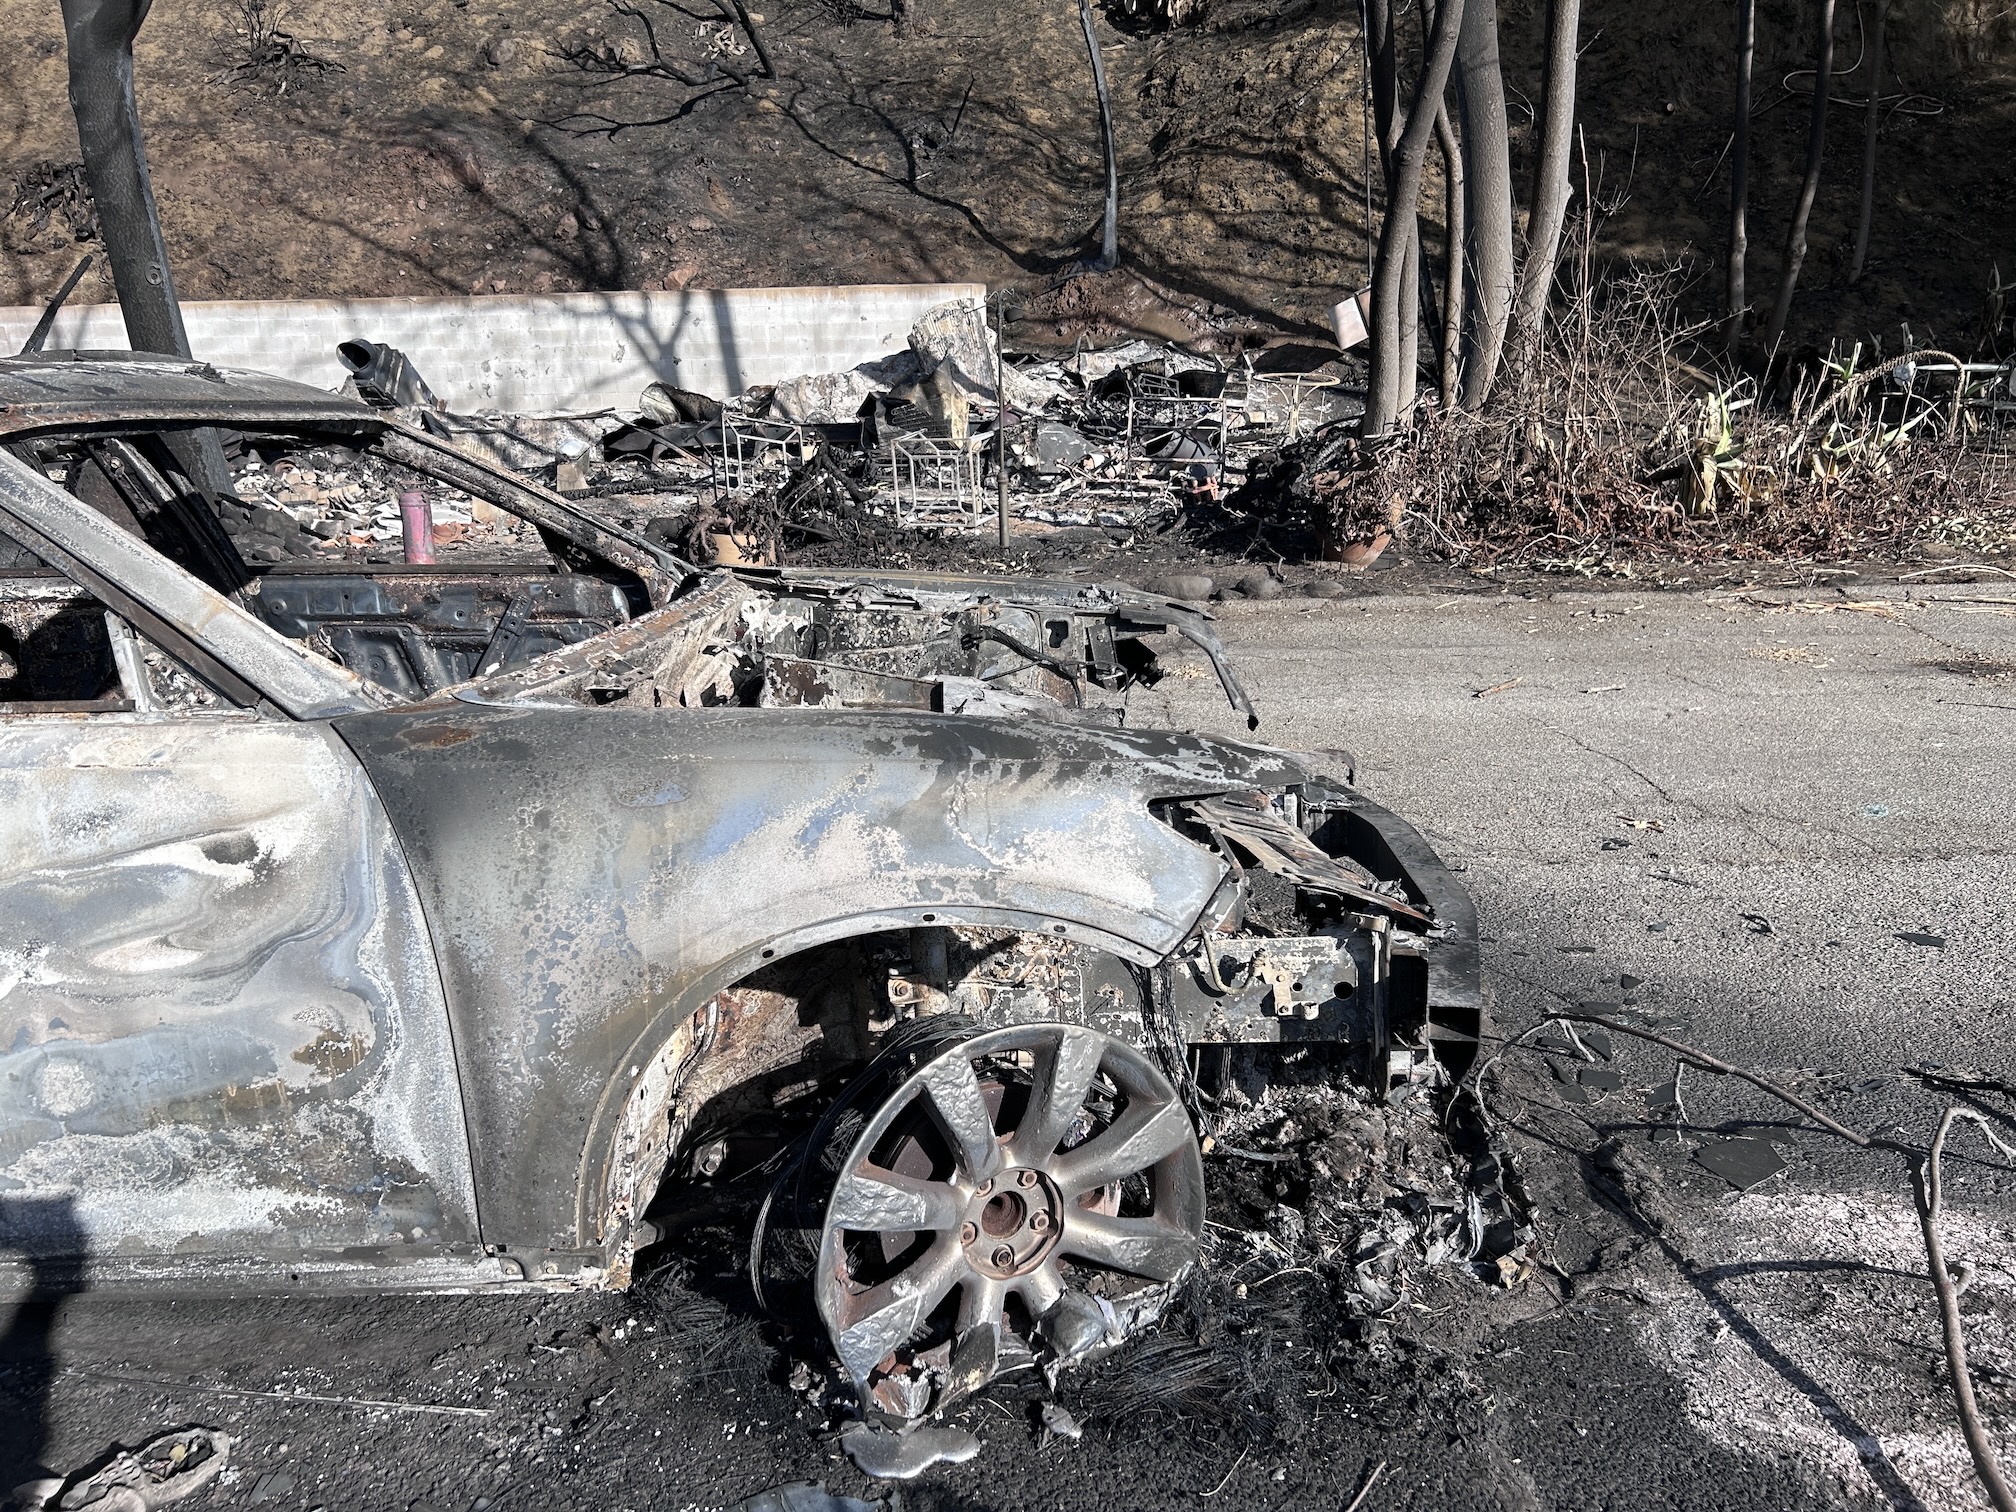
(475, 149)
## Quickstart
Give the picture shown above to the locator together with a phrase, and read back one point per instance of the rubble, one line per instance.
(955, 337)
(851, 462)
(839, 398)
(1371, 1192)
(164, 1471)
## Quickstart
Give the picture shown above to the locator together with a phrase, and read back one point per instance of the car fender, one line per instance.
(594, 877)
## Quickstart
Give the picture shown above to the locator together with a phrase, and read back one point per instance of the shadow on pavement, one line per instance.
(40, 1240)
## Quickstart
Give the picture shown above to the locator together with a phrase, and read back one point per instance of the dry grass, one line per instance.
(1624, 437)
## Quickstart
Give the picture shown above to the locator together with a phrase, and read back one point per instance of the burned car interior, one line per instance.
(417, 629)
(478, 922)
(413, 630)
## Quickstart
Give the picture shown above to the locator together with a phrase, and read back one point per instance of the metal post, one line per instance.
(1000, 418)
(416, 526)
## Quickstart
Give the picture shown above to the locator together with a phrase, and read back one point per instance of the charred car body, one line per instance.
(421, 926)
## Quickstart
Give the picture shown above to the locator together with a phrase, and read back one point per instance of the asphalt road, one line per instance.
(1743, 804)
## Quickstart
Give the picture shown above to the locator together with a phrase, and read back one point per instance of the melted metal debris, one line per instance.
(891, 1454)
(1370, 1193)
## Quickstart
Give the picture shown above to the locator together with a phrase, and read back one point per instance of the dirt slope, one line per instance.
(452, 148)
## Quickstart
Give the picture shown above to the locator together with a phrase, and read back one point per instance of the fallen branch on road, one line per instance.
(1925, 1187)
(1925, 1177)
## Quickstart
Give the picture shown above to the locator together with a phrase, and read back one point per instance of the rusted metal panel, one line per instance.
(590, 904)
(223, 1024)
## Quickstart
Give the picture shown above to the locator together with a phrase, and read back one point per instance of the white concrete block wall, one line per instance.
(548, 353)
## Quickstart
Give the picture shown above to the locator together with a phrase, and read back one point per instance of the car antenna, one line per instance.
(47, 323)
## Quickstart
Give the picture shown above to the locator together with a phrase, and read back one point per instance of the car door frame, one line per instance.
(267, 680)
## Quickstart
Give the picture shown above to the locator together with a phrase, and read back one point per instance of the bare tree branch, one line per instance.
(740, 11)
(1452, 261)
(1816, 151)
(1926, 1182)
(1869, 146)
(1547, 209)
(1109, 240)
(708, 77)
(1399, 233)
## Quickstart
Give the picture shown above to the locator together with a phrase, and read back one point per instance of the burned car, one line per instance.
(387, 924)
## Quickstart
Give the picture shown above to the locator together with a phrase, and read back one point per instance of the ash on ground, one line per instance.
(1332, 1213)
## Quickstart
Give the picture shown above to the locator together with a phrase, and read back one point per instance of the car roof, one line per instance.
(73, 391)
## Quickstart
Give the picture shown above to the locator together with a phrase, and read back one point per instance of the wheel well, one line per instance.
(754, 1065)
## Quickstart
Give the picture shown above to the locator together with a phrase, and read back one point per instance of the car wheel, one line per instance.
(1034, 1191)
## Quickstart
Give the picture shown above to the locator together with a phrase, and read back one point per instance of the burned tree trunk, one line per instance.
(100, 37)
(1451, 363)
(1109, 241)
(1869, 146)
(1395, 311)
(1408, 364)
(1548, 206)
(1816, 151)
(1383, 67)
(1488, 186)
(1739, 169)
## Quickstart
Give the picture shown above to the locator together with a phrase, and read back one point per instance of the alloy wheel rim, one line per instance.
(1024, 1212)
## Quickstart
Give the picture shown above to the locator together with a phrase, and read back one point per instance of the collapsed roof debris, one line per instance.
(1125, 439)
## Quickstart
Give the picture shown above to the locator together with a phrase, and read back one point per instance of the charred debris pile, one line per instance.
(898, 461)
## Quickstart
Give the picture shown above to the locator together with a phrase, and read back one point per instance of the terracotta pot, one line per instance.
(1356, 553)
(1365, 553)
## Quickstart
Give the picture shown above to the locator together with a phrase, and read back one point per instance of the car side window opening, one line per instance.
(495, 597)
(311, 543)
(55, 648)
(61, 651)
